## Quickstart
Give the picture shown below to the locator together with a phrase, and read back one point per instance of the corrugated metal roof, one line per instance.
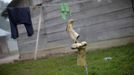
(3, 33)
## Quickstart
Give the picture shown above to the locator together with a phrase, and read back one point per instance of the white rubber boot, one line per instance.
(73, 34)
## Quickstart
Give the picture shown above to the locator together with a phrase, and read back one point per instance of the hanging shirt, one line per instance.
(20, 15)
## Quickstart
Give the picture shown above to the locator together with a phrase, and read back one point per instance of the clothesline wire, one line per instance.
(52, 4)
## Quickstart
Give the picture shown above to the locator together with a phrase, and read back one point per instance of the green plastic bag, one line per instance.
(64, 9)
(66, 6)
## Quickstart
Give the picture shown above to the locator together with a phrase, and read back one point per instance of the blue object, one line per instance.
(20, 16)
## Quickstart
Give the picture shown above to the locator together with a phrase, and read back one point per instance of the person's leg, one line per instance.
(29, 29)
(13, 23)
(14, 30)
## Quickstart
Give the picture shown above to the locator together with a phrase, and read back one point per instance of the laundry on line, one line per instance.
(16, 16)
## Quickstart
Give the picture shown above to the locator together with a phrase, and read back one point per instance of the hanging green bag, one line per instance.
(64, 10)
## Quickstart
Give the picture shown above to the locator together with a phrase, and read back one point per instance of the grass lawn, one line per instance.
(122, 63)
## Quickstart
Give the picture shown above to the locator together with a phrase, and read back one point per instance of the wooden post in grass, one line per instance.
(80, 46)
(81, 53)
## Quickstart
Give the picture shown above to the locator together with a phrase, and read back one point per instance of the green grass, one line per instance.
(122, 63)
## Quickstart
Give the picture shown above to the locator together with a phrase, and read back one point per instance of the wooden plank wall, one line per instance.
(95, 21)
